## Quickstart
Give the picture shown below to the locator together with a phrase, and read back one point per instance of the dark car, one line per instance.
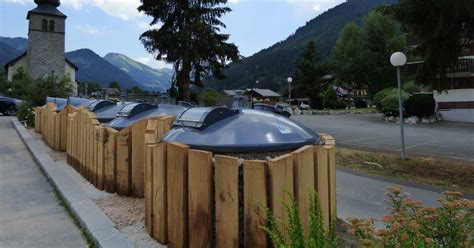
(9, 106)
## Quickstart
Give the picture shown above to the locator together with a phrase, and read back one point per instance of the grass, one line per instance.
(451, 175)
(86, 235)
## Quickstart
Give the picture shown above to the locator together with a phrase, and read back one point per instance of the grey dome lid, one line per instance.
(54, 3)
(61, 103)
(123, 120)
(79, 102)
(106, 110)
(247, 131)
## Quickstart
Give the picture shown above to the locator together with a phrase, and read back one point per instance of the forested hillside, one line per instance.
(271, 66)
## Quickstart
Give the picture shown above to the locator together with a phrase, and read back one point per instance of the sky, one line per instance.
(115, 25)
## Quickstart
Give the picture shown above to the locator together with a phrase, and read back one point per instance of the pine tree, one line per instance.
(189, 39)
(308, 73)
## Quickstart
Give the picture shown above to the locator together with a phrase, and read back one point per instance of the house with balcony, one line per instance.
(455, 92)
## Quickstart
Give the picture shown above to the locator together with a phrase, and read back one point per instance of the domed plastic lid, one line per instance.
(248, 131)
(79, 102)
(124, 120)
(99, 104)
(106, 110)
(61, 103)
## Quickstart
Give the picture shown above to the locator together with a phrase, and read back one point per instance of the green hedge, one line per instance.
(420, 105)
(386, 101)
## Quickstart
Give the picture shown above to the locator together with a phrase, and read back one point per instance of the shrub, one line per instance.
(387, 101)
(293, 227)
(360, 103)
(409, 224)
(26, 113)
(210, 97)
(380, 96)
(329, 99)
(420, 105)
(411, 87)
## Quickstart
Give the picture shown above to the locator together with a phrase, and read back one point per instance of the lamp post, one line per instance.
(398, 59)
(289, 80)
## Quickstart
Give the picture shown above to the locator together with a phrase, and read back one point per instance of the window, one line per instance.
(51, 26)
(44, 25)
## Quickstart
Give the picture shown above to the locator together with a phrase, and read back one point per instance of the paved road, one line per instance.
(444, 140)
(29, 212)
(363, 197)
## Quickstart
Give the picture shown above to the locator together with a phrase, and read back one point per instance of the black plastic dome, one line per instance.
(60, 103)
(79, 102)
(54, 3)
(133, 113)
(224, 130)
(106, 110)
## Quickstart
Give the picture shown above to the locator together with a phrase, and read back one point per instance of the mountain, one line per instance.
(19, 43)
(7, 53)
(153, 79)
(93, 68)
(271, 66)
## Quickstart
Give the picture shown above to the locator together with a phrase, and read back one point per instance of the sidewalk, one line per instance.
(30, 214)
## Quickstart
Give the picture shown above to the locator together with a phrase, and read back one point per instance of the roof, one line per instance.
(264, 92)
(46, 9)
(233, 92)
(13, 61)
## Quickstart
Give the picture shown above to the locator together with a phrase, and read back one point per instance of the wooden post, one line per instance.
(227, 201)
(303, 171)
(281, 184)
(332, 181)
(322, 181)
(110, 148)
(123, 163)
(200, 198)
(177, 159)
(255, 200)
(148, 194)
(100, 131)
(137, 151)
(159, 189)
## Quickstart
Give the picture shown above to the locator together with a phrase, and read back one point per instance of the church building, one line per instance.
(46, 38)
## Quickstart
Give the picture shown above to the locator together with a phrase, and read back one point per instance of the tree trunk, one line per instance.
(183, 81)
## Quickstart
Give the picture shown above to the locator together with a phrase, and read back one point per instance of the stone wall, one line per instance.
(45, 48)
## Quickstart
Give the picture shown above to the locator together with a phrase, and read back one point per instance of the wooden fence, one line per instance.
(111, 160)
(196, 199)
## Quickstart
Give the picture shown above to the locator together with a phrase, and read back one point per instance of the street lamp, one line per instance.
(289, 80)
(398, 59)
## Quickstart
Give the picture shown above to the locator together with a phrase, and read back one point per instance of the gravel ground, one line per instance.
(126, 212)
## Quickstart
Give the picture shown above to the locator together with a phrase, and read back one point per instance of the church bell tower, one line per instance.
(46, 33)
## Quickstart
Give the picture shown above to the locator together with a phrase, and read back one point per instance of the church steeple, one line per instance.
(54, 3)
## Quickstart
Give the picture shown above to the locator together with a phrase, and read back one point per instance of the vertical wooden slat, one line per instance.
(200, 198)
(63, 115)
(303, 171)
(177, 159)
(322, 181)
(100, 157)
(332, 181)
(159, 189)
(148, 193)
(123, 163)
(138, 158)
(281, 184)
(255, 200)
(227, 201)
(110, 148)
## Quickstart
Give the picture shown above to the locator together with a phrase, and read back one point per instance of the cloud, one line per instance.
(152, 62)
(234, 1)
(311, 8)
(124, 9)
(88, 29)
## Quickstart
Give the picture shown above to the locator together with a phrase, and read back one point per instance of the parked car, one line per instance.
(9, 106)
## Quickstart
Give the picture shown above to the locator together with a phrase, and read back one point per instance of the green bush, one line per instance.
(210, 97)
(411, 87)
(409, 224)
(26, 114)
(317, 236)
(420, 105)
(386, 101)
(329, 99)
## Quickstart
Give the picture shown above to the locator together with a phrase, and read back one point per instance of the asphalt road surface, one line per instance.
(30, 214)
(443, 140)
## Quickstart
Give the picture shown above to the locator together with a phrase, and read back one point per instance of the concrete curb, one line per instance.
(90, 217)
